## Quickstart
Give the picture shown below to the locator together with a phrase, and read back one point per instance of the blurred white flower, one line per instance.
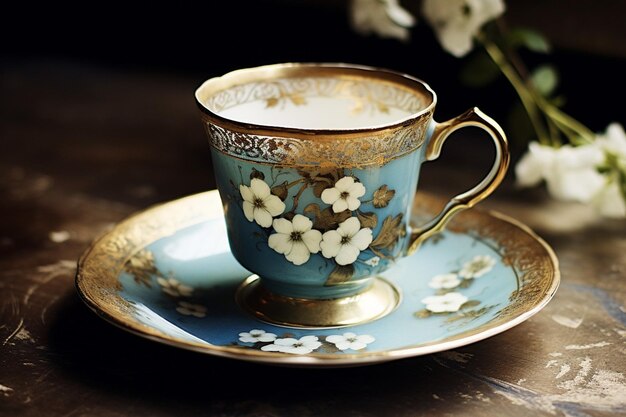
(456, 22)
(614, 142)
(609, 201)
(386, 18)
(570, 172)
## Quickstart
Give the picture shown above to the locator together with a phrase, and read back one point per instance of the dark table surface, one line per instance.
(83, 147)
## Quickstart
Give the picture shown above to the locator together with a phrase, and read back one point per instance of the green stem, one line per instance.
(518, 84)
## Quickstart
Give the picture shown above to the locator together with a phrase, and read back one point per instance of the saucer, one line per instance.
(167, 274)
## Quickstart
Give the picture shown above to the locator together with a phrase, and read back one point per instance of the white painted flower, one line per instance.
(477, 267)
(344, 195)
(456, 22)
(259, 204)
(173, 287)
(256, 335)
(345, 243)
(295, 239)
(302, 346)
(189, 309)
(570, 172)
(447, 303)
(374, 261)
(386, 18)
(609, 201)
(446, 281)
(350, 341)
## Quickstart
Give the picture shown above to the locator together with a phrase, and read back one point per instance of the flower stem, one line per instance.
(518, 84)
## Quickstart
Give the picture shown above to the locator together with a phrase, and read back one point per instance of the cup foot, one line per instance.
(376, 301)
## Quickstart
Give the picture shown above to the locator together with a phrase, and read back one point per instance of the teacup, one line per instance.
(317, 166)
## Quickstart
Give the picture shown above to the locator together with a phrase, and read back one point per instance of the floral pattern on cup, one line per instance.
(295, 239)
(336, 226)
(449, 300)
(270, 342)
(259, 204)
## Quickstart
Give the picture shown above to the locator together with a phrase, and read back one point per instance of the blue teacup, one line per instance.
(317, 166)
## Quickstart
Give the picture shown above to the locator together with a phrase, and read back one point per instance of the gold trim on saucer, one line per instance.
(375, 302)
(97, 278)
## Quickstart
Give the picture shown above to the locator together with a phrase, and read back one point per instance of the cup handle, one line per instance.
(472, 117)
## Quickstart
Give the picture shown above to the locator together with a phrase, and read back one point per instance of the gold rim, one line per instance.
(97, 274)
(291, 70)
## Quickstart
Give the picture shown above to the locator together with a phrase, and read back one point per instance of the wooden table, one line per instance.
(84, 147)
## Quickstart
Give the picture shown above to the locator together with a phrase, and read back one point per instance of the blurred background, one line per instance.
(84, 78)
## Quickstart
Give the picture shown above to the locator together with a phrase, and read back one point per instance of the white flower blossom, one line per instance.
(570, 172)
(259, 204)
(344, 195)
(446, 281)
(613, 141)
(174, 287)
(385, 18)
(345, 243)
(477, 267)
(456, 22)
(302, 346)
(295, 239)
(255, 335)
(447, 303)
(350, 341)
(609, 201)
(189, 309)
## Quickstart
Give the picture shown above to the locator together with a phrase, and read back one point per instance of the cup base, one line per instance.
(375, 302)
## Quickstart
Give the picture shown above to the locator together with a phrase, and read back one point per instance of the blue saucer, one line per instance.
(167, 274)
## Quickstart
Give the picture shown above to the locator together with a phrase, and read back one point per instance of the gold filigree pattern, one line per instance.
(97, 278)
(349, 152)
(534, 268)
(367, 94)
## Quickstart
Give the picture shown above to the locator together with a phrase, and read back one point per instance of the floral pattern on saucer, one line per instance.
(449, 299)
(154, 275)
(270, 342)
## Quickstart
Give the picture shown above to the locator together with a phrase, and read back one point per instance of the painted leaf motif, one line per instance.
(257, 174)
(297, 99)
(391, 230)
(280, 191)
(470, 304)
(325, 220)
(422, 314)
(466, 283)
(382, 196)
(341, 273)
(367, 219)
(141, 267)
(271, 102)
